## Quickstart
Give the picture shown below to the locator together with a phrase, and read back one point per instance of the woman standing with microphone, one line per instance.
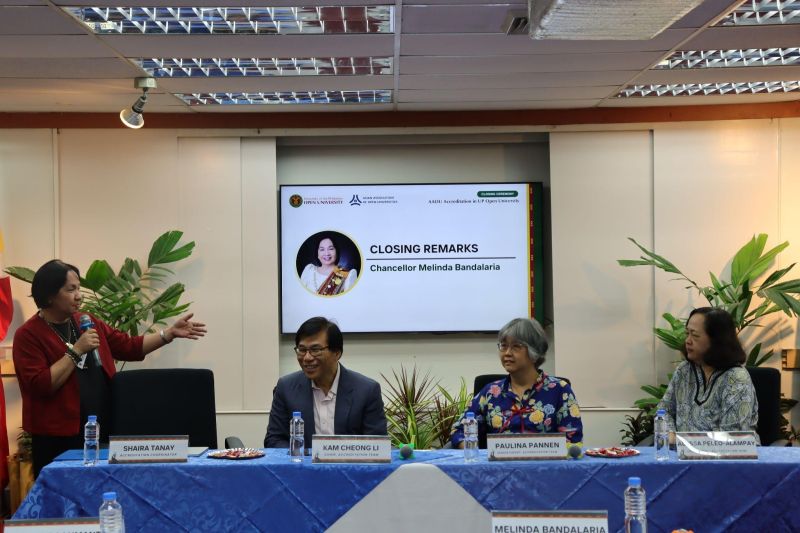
(65, 361)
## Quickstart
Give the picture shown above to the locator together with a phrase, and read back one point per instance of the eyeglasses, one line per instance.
(505, 347)
(315, 351)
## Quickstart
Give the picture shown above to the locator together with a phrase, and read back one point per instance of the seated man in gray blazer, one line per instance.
(332, 399)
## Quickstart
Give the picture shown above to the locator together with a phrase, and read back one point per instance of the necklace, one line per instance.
(72, 335)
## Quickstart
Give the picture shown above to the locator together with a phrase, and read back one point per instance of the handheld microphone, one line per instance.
(86, 323)
(574, 452)
(406, 452)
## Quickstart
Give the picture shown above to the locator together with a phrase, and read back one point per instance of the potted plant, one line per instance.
(133, 299)
(747, 299)
(20, 471)
(419, 411)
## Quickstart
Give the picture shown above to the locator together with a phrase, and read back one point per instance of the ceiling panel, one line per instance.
(67, 68)
(487, 18)
(733, 37)
(36, 21)
(251, 45)
(473, 95)
(510, 104)
(79, 101)
(451, 54)
(705, 13)
(501, 44)
(24, 2)
(16, 46)
(537, 63)
(518, 80)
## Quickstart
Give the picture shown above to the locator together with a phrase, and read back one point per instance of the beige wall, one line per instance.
(694, 191)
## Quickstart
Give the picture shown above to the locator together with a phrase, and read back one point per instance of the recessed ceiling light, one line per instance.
(236, 20)
(288, 97)
(751, 57)
(166, 67)
(705, 89)
(756, 12)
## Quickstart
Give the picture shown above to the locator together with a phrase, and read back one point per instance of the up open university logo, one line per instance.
(295, 200)
(355, 200)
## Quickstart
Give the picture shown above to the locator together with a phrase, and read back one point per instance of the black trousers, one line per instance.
(46, 448)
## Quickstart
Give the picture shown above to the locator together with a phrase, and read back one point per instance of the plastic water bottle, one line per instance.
(470, 438)
(635, 503)
(296, 437)
(661, 436)
(91, 443)
(111, 514)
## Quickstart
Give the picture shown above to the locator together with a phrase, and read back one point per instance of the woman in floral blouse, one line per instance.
(527, 400)
(711, 391)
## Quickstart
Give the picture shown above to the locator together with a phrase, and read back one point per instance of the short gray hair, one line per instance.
(529, 332)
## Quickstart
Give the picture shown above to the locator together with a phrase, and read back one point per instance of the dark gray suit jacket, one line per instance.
(359, 407)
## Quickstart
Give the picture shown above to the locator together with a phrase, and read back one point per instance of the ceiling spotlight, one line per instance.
(133, 117)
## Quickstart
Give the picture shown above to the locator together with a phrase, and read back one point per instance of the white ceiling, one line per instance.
(449, 55)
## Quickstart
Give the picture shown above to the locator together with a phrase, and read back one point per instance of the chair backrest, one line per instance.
(484, 379)
(174, 401)
(767, 382)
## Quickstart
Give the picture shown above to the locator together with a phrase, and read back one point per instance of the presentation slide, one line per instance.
(406, 258)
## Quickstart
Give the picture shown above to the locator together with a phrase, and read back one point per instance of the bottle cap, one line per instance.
(296, 414)
(92, 418)
(108, 496)
(661, 412)
(634, 482)
(470, 416)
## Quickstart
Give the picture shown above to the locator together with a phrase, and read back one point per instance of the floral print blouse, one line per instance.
(549, 406)
(727, 402)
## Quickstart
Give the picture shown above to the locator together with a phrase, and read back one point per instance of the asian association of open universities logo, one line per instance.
(295, 200)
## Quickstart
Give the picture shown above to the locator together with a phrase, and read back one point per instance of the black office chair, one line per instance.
(480, 382)
(233, 442)
(484, 379)
(767, 382)
(174, 401)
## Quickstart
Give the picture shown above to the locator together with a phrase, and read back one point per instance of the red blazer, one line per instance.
(36, 348)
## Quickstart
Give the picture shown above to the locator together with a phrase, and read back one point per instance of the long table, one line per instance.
(436, 491)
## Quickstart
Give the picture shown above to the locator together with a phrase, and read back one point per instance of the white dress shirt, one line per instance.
(325, 406)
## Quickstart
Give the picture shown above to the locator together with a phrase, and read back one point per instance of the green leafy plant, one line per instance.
(419, 411)
(448, 408)
(133, 299)
(636, 428)
(742, 296)
(24, 445)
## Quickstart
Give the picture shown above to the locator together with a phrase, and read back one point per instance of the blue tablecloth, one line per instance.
(271, 494)
(747, 496)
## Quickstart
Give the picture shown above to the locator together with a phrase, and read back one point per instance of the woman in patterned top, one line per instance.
(711, 390)
(527, 400)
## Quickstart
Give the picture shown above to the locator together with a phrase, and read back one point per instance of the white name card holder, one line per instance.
(351, 449)
(54, 525)
(549, 521)
(526, 446)
(148, 449)
(716, 445)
